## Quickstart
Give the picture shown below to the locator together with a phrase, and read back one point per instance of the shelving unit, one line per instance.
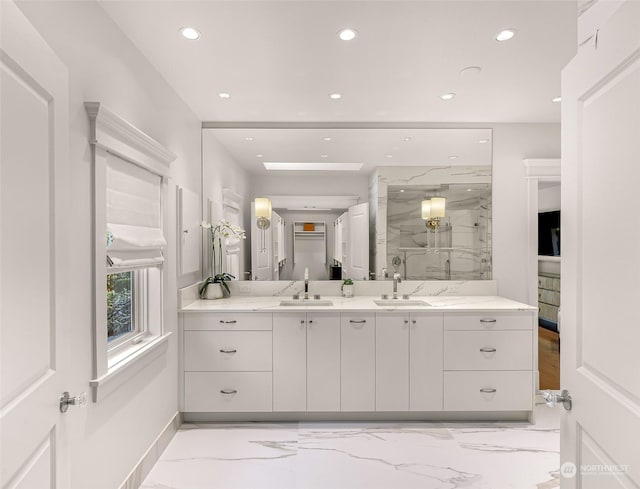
(548, 299)
(318, 234)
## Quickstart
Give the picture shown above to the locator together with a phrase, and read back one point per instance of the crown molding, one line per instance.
(118, 136)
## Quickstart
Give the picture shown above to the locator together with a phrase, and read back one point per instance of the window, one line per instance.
(133, 251)
(130, 171)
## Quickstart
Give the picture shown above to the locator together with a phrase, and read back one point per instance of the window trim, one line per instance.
(109, 134)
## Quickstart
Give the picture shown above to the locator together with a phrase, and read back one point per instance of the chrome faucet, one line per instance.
(306, 282)
(396, 281)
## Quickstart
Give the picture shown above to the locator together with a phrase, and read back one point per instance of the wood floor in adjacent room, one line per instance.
(549, 359)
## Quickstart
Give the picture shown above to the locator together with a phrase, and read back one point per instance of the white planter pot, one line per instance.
(214, 291)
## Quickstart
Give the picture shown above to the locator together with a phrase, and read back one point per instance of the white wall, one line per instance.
(549, 198)
(220, 171)
(108, 438)
(511, 144)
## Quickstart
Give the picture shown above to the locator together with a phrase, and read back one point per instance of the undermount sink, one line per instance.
(306, 302)
(401, 302)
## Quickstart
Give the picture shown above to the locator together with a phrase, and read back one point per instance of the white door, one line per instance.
(323, 362)
(600, 364)
(34, 307)
(261, 249)
(358, 254)
(392, 362)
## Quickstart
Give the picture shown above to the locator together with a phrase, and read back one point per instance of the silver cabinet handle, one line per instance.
(487, 390)
(228, 391)
(233, 321)
(222, 350)
(488, 350)
(406, 321)
(310, 321)
(413, 321)
(302, 321)
(357, 321)
(488, 320)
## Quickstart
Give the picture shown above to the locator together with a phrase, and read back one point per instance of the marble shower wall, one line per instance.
(466, 231)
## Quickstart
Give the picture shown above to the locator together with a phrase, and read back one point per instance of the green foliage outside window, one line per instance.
(119, 306)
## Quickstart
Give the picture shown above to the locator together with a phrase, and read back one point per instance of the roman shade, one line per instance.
(134, 215)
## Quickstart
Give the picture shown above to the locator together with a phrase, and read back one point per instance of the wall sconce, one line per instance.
(432, 211)
(263, 214)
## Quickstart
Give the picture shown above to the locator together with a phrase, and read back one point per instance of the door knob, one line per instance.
(552, 398)
(66, 399)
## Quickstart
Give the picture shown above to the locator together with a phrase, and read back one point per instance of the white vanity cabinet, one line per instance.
(488, 362)
(409, 361)
(425, 361)
(358, 361)
(306, 366)
(392, 361)
(227, 362)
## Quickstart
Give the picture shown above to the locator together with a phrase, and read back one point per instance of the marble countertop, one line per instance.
(361, 303)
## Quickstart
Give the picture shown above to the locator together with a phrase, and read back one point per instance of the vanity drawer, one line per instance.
(227, 351)
(227, 391)
(233, 321)
(488, 391)
(488, 350)
(489, 321)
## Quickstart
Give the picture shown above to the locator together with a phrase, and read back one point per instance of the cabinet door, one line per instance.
(289, 362)
(392, 362)
(323, 362)
(357, 362)
(426, 362)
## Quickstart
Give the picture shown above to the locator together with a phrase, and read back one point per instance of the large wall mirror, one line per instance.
(419, 204)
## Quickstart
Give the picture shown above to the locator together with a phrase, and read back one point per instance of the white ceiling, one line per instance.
(279, 60)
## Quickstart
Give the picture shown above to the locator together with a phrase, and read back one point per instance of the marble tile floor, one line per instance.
(367, 455)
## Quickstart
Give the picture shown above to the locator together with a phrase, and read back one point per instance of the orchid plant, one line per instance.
(225, 230)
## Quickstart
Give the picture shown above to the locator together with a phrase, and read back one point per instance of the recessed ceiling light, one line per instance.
(335, 96)
(505, 35)
(190, 33)
(447, 96)
(324, 156)
(347, 34)
(224, 95)
(468, 190)
(453, 157)
(248, 138)
(312, 166)
(556, 99)
(401, 190)
(259, 156)
(470, 71)
(405, 140)
(483, 141)
(388, 156)
(326, 139)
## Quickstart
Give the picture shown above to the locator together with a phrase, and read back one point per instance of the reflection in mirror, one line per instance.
(453, 247)
(367, 223)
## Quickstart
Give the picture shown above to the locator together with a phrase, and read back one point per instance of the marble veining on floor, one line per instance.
(367, 455)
